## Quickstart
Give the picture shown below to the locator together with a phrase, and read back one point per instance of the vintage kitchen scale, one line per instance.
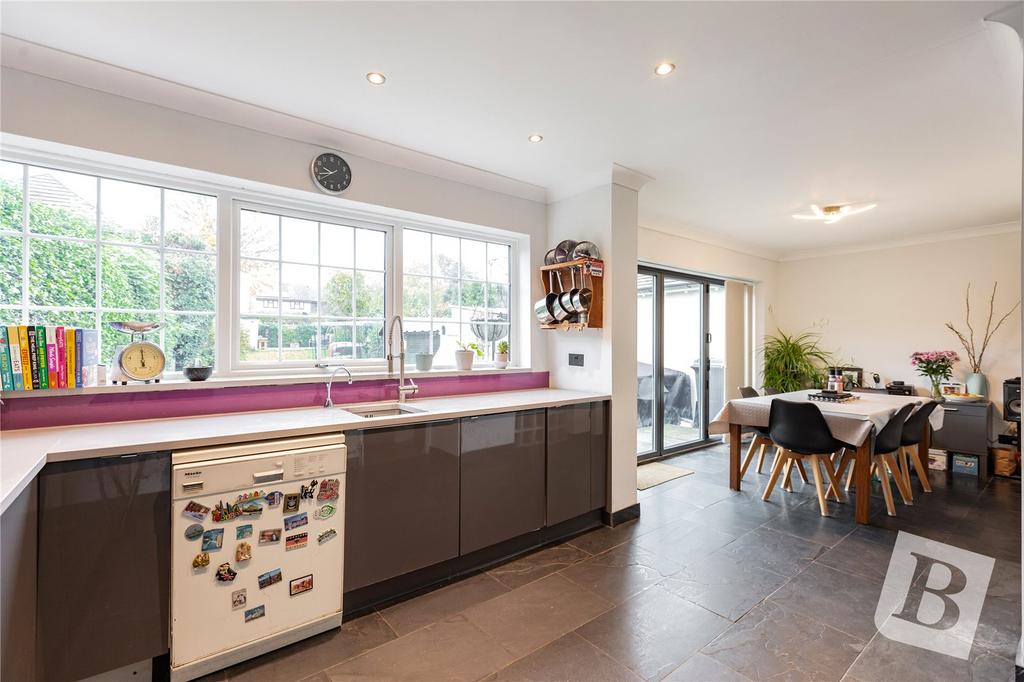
(138, 360)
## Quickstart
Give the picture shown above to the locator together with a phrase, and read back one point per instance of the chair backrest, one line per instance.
(748, 392)
(914, 428)
(890, 437)
(800, 427)
(768, 390)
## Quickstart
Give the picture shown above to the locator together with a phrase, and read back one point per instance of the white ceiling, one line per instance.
(915, 106)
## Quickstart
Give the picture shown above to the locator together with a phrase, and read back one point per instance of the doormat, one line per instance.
(656, 473)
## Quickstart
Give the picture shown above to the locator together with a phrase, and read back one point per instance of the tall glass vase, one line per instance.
(937, 388)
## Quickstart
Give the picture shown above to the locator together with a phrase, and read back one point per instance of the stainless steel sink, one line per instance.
(383, 410)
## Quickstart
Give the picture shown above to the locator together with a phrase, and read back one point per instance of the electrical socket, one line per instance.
(575, 359)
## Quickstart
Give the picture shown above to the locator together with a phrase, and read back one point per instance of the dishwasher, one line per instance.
(257, 548)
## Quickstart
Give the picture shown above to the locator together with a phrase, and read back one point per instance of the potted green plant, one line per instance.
(501, 356)
(937, 365)
(793, 362)
(464, 355)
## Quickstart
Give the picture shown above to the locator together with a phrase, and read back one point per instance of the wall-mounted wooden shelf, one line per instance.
(590, 271)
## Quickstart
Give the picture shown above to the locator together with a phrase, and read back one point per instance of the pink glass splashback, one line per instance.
(33, 412)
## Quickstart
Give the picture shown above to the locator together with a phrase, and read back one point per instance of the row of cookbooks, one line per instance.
(38, 358)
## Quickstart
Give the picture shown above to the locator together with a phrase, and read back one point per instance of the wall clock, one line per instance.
(331, 173)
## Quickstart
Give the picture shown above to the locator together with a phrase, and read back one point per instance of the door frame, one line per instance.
(659, 273)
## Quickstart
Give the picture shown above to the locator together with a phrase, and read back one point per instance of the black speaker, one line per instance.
(1011, 400)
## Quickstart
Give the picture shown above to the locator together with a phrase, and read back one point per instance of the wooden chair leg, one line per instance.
(903, 459)
(780, 459)
(819, 485)
(787, 481)
(833, 486)
(897, 475)
(748, 457)
(849, 476)
(760, 454)
(883, 477)
(922, 470)
(844, 461)
(800, 468)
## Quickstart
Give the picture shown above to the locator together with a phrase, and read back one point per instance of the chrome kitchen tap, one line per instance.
(330, 380)
(403, 388)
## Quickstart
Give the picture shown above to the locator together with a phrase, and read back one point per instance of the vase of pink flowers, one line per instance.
(937, 365)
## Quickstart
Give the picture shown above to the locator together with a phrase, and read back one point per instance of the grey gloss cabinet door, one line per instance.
(402, 500)
(599, 448)
(568, 462)
(104, 564)
(502, 477)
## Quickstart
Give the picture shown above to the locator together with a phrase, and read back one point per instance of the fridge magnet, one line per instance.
(300, 585)
(201, 560)
(196, 511)
(193, 531)
(325, 512)
(255, 612)
(243, 532)
(238, 599)
(213, 539)
(225, 574)
(243, 552)
(269, 578)
(251, 508)
(225, 512)
(328, 490)
(291, 503)
(297, 541)
(274, 498)
(254, 495)
(270, 535)
(306, 491)
(326, 535)
(291, 522)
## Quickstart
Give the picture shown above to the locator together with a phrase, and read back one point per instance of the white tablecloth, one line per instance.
(850, 422)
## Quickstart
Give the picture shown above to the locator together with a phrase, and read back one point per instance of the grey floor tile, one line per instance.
(536, 614)
(701, 668)
(538, 564)
(437, 605)
(725, 585)
(779, 552)
(700, 493)
(316, 653)
(864, 552)
(621, 572)
(653, 632)
(452, 649)
(808, 524)
(569, 658)
(774, 642)
(604, 538)
(843, 601)
(735, 515)
(684, 542)
(884, 660)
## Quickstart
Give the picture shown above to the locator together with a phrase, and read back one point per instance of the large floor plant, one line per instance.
(793, 362)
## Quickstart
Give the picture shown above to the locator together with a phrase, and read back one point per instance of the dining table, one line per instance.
(854, 422)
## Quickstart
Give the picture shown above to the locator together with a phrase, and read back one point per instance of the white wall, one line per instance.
(875, 308)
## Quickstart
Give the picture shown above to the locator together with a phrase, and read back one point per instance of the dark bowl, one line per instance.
(197, 373)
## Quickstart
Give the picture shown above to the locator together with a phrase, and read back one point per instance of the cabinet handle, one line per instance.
(951, 409)
(268, 476)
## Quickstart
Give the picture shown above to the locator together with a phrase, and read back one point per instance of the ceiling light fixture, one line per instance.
(664, 69)
(535, 138)
(376, 78)
(834, 213)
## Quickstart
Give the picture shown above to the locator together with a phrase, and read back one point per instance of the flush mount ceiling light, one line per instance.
(535, 138)
(664, 69)
(834, 213)
(376, 78)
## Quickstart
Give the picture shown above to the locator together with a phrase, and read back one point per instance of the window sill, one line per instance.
(227, 381)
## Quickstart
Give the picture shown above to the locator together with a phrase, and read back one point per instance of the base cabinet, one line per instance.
(502, 477)
(568, 462)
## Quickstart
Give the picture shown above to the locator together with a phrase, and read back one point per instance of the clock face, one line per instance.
(142, 361)
(331, 173)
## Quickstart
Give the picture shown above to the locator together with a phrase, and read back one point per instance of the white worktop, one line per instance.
(24, 452)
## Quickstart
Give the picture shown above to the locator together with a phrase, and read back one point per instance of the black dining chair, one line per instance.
(910, 446)
(768, 390)
(883, 460)
(799, 431)
(761, 439)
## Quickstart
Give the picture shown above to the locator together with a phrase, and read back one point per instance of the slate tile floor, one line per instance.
(708, 584)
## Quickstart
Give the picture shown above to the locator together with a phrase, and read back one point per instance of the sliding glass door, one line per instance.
(679, 359)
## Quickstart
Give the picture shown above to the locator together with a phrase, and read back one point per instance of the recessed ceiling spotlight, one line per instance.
(376, 78)
(664, 69)
(834, 213)
(535, 138)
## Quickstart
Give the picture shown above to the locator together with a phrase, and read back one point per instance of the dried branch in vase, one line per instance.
(975, 355)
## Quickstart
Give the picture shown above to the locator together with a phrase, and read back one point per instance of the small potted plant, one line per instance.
(501, 357)
(464, 355)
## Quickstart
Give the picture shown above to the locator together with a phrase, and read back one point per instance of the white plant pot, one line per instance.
(501, 360)
(464, 359)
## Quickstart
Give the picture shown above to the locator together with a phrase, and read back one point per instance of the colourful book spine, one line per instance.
(51, 357)
(90, 356)
(62, 357)
(44, 375)
(26, 357)
(33, 358)
(14, 346)
(6, 380)
(78, 358)
(70, 343)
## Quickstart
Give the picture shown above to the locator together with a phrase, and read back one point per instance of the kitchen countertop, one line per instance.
(24, 452)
